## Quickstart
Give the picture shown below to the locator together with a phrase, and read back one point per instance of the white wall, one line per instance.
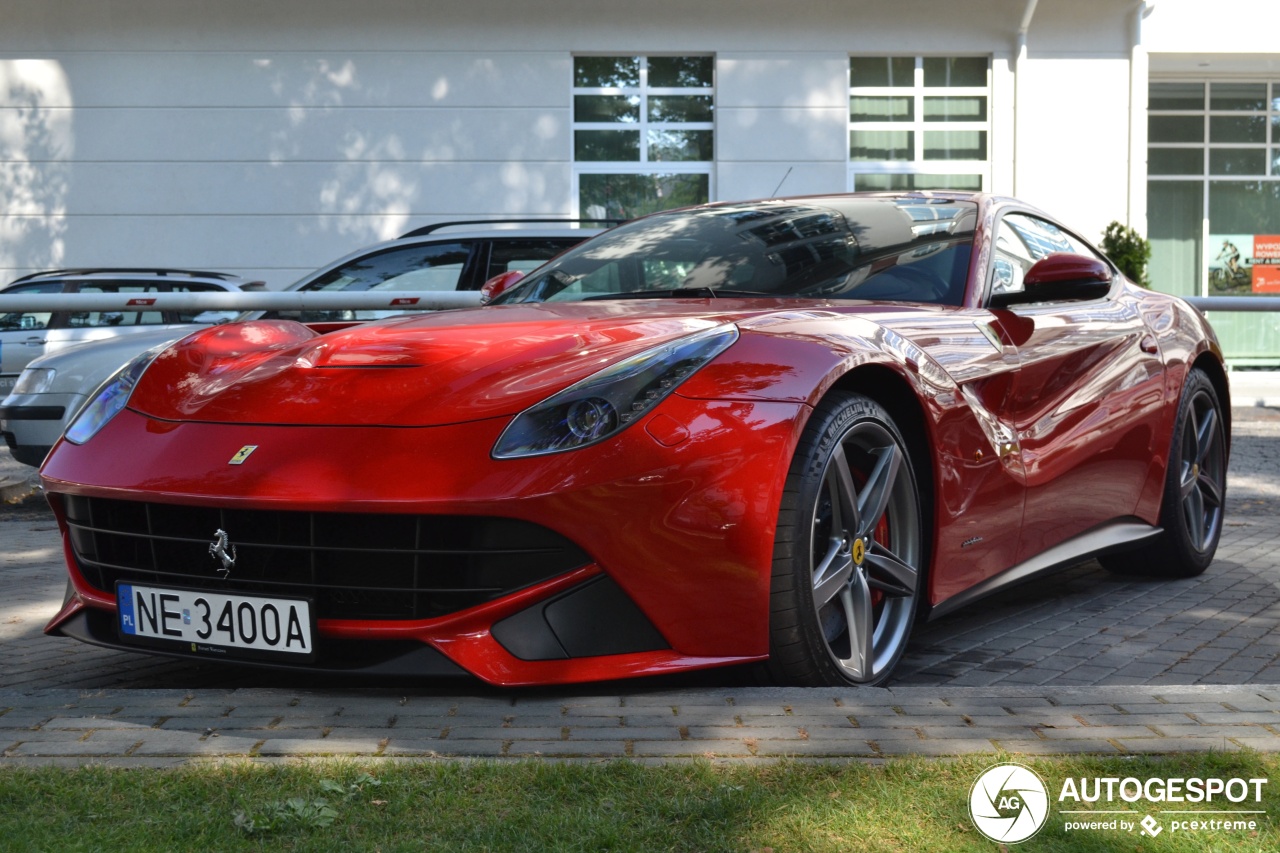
(269, 163)
(1073, 140)
(266, 138)
(1217, 27)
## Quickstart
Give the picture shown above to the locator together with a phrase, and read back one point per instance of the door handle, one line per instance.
(1148, 344)
(34, 342)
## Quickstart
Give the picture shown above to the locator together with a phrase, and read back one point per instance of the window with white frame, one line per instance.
(1213, 201)
(919, 122)
(643, 133)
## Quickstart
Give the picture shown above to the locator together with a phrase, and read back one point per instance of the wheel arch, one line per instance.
(1208, 363)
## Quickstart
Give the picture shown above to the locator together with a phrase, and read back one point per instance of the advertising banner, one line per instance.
(1240, 264)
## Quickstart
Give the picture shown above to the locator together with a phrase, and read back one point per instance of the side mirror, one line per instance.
(498, 285)
(1061, 277)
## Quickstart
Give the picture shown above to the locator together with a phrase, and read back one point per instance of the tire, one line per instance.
(849, 550)
(1195, 488)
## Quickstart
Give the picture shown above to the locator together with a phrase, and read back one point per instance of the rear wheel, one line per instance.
(1194, 492)
(849, 552)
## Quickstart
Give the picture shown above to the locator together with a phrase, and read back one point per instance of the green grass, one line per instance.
(904, 805)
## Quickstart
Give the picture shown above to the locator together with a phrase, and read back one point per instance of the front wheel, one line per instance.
(1194, 493)
(850, 549)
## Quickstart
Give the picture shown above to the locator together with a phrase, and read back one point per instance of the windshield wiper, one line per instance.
(677, 293)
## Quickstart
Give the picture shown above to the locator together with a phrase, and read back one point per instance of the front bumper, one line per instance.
(679, 520)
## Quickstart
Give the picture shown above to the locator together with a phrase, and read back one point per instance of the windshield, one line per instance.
(914, 250)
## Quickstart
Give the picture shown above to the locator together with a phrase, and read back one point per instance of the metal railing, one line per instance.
(259, 300)
(302, 300)
(1235, 303)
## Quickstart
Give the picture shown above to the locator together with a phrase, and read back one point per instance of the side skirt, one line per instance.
(1114, 536)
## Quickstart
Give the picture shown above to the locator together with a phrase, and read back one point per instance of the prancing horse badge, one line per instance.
(242, 454)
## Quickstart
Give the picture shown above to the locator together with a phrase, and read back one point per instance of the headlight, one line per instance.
(34, 380)
(110, 398)
(605, 403)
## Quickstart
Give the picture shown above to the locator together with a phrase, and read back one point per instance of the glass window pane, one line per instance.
(41, 287)
(672, 145)
(91, 319)
(955, 71)
(1175, 161)
(1175, 96)
(1175, 210)
(862, 108)
(1244, 207)
(685, 108)
(522, 255)
(972, 183)
(1238, 129)
(956, 109)
(393, 269)
(882, 71)
(1237, 161)
(967, 183)
(614, 145)
(1175, 128)
(881, 145)
(865, 183)
(1237, 96)
(606, 71)
(684, 72)
(629, 196)
(1239, 212)
(955, 145)
(611, 108)
(23, 321)
(14, 321)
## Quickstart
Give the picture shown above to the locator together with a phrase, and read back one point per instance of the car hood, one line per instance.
(443, 368)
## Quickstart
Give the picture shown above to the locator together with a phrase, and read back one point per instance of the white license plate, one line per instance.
(214, 622)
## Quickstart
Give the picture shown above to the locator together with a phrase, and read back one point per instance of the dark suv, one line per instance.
(445, 256)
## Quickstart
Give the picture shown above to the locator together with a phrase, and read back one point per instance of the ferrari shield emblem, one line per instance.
(242, 454)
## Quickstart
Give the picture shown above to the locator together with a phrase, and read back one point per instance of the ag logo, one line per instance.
(1008, 803)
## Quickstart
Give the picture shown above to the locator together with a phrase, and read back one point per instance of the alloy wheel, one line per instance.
(865, 546)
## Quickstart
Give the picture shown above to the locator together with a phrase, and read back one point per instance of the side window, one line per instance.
(436, 267)
(523, 255)
(27, 321)
(201, 316)
(98, 319)
(1021, 240)
(412, 268)
(605, 279)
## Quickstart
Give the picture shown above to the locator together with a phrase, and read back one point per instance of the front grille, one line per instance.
(352, 565)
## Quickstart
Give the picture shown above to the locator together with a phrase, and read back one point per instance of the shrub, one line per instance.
(1128, 250)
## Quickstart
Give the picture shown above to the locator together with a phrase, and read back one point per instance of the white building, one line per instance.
(266, 138)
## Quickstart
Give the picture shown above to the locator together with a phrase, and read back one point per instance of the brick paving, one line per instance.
(1082, 662)
(165, 727)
